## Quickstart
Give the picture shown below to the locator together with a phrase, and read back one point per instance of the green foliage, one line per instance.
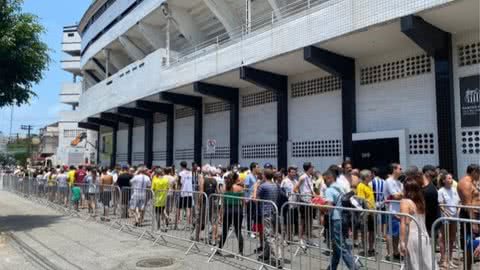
(23, 56)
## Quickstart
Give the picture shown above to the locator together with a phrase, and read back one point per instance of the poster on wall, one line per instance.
(470, 101)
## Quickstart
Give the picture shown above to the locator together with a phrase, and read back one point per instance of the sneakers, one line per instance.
(396, 258)
(302, 244)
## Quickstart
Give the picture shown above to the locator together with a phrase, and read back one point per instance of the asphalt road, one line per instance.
(33, 236)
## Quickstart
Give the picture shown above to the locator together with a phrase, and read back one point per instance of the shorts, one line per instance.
(306, 212)
(90, 196)
(62, 190)
(137, 202)
(393, 226)
(184, 202)
(105, 198)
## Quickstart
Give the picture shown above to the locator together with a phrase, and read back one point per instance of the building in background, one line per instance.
(48, 145)
(282, 81)
(68, 130)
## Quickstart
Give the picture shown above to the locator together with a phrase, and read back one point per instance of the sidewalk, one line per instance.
(36, 237)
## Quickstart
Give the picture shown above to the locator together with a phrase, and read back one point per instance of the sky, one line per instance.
(44, 109)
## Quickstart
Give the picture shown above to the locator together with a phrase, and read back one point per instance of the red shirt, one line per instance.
(80, 176)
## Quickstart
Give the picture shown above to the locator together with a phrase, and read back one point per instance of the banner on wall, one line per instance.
(470, 101)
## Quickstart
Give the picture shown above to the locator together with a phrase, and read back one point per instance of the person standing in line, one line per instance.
(413, 203)
(52, 184)
(341, 247)
(448, 196)
(106, 182)
(140, 183)
(290, 213)
(123, 183)
(305, 188)
(186, 194)
(430, 194)
(160, 189)
(268, 190)
(365, 191)
(62, 183)
(232, 211)
(71, 176)
(378, 188)
(249, 184)
(393, 191)
(91, 188)
(469, 193)
(171, 191)
(208, 185)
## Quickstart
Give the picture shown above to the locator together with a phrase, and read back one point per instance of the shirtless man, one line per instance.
(469, 193)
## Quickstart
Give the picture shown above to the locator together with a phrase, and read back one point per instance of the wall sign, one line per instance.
(470, 101)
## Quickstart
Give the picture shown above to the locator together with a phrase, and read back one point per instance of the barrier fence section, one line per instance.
(133, 208)
(182, 215)
(253, 222)
(299, 234)
(313, 234)
(459, 228)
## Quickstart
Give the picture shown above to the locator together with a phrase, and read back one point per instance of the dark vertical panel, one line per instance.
(198, 135)
(129, 144)
(170, 134)
(113, 158)
(148, 142)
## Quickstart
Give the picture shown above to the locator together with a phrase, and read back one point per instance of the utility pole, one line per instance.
(28, 128)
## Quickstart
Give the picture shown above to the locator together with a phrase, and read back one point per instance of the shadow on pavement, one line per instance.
(17, 223)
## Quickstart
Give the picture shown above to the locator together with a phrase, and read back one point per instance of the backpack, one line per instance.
(349, 218)
(209, 186)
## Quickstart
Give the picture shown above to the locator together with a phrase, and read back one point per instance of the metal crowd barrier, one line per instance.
(308, 245)
(132, 208)
(454, 231)
(259, 243)
(183, 216)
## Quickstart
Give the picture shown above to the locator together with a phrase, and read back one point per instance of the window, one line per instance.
(215, 107)
(323, 148)
(258, 98)
(71, 133)
(407, 67)
(316, 86)
(421, 143)
(469, 54)
(183, 112)
(259, 151)
(471, 142)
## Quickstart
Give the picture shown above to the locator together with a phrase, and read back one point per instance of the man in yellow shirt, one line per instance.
(160, 185)
(365, 191)
(71, 176)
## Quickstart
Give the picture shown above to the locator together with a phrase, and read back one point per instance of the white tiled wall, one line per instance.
(159, 141)
(138, 144)
(407, 103)
(314, 118)
(258, 125)
(183, 135)
(463, 160)
(217, 126)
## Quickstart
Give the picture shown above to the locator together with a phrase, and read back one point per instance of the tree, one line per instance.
(23, 56)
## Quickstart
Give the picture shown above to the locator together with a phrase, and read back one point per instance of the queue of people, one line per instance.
(426, 194)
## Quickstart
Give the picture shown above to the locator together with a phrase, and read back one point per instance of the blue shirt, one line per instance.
(377, 185)
(268, 191)
(332, 195)
(249, 182)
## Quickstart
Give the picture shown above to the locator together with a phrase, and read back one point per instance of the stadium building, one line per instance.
(282, 81)
(83, 152)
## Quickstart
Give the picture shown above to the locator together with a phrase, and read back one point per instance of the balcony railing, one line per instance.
(258, 26)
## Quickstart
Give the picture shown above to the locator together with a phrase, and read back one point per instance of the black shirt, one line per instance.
(432, 208)
(124, 180)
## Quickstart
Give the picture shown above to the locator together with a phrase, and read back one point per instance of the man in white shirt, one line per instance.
(186, 194)
(393, 192)
(139, 183)
(304, 186)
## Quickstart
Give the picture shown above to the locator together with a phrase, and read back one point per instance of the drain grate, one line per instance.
(155, 262)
